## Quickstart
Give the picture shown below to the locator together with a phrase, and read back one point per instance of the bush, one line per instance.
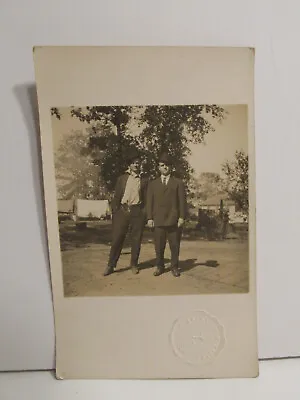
(212, 224)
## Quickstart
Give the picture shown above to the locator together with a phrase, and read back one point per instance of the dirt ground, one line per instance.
(206, 266)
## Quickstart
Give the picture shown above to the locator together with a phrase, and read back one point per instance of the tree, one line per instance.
(115, 130)
(236, 180)
(206, 185)
(109, 135)
(172, 129)
(76, 174)
(55, 111)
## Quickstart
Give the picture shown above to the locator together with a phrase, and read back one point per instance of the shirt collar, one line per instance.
(133, 173)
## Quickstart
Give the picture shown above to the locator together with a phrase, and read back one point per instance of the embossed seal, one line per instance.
(197, 338)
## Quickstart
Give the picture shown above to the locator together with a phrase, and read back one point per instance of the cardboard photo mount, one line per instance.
(147, 337)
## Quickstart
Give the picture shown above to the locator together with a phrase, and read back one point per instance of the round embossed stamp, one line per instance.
(197, 338)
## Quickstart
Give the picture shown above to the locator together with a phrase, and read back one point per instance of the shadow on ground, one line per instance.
(184, 265)
(191, 263)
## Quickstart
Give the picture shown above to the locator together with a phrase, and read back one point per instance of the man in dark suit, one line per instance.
(128, 209)
(166, 212)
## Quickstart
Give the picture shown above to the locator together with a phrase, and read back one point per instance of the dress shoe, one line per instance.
(135, 269)
(175, 272)
(109, 270)
(159, 271)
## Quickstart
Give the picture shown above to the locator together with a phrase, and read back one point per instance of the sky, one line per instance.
(220, 145)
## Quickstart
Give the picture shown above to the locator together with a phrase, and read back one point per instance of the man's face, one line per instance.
(164, 169)
(135, 166)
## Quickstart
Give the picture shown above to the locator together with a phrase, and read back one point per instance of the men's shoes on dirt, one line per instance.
(109, 270)
(175, 272)
(159, 271)
(134, 269)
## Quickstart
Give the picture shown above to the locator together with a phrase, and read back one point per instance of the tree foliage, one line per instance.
(76, 174)
(204, 186)
(236, 181)
(109, 138)
(116, 130)
(55, 111)
(171, 129)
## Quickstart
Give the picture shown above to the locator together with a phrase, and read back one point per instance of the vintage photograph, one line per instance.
(152, 200)
(149, 186)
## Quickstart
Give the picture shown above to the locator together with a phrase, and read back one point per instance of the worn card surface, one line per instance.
(149, 180)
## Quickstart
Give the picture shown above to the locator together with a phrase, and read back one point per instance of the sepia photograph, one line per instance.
(152, 200)
(149, 189)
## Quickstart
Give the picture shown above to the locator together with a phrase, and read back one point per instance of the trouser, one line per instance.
(173, 235)
(127, 217)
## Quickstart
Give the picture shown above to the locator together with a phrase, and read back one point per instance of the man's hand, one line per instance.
(150, 223)
(180, 222)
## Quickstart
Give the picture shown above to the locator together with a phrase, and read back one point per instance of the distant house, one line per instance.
(214, 203)
(84, 208)
(66, 206)
(95, 208)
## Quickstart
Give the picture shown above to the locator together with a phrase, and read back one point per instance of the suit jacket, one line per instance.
(120, 190)
(166, 203)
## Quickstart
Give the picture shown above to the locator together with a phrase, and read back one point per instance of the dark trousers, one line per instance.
(173, 235)
(132, 218)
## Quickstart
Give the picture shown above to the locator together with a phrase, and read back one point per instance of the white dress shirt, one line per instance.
(132, 190)
(165, 179)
